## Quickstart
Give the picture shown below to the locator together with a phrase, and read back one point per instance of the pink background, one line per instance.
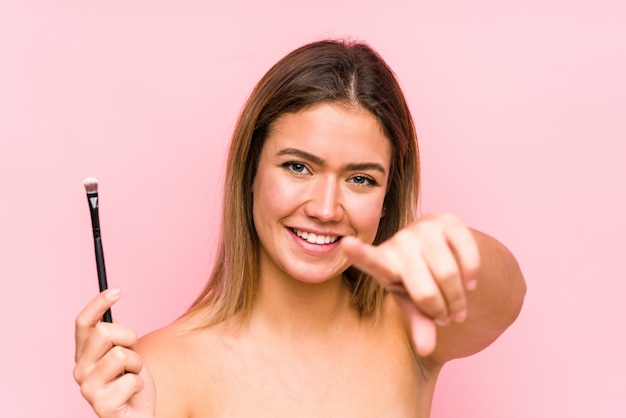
(520, 107)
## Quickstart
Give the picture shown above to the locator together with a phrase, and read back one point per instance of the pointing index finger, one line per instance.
(372, 261)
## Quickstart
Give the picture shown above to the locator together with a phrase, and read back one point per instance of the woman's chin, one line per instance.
(315, 276)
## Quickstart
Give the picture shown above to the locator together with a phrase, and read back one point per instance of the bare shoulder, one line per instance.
(163, 348)
(173, 355)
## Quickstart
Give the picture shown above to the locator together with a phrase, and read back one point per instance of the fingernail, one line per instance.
(460, 316)
(112, 294)
(442, 322)
(471, 285)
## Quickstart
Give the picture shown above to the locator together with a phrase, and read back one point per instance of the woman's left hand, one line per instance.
(428, 267)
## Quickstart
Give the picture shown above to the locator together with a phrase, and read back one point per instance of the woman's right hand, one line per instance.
(111, 375)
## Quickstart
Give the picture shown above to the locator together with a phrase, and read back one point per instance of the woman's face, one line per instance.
(322, 175)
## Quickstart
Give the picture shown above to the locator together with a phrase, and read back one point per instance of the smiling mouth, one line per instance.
(314, 238)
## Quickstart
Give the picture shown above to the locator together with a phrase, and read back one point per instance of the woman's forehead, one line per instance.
(330, 127)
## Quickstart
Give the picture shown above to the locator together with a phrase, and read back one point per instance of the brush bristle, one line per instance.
(91, 184)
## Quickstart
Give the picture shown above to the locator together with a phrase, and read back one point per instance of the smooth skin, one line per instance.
(303, 351)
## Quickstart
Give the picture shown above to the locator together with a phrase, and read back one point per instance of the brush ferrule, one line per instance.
(92, 199)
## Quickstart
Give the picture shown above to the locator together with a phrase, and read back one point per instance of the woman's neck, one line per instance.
(295, 309)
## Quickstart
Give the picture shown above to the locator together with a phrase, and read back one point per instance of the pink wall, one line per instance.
(521, 111)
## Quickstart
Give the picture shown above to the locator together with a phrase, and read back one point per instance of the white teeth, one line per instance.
(316, 239)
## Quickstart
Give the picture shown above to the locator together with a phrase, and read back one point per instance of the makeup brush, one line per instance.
(91, 186)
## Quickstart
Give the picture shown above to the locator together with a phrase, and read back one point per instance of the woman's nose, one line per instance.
(324, 202)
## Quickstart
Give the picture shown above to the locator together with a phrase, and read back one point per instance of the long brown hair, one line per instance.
(321, 72)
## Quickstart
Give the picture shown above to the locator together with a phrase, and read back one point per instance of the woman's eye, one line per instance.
(363, 180)
(299, 168)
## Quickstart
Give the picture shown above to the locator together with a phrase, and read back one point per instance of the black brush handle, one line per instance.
(92, 198)
(102, 274)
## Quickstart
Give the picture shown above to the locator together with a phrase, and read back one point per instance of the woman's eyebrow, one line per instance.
(301, 154)
(317, 160)
(365, 167)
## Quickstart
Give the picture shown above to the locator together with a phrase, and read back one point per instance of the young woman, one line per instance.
(329, 296)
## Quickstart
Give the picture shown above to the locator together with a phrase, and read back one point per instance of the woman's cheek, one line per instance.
(365, 214)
